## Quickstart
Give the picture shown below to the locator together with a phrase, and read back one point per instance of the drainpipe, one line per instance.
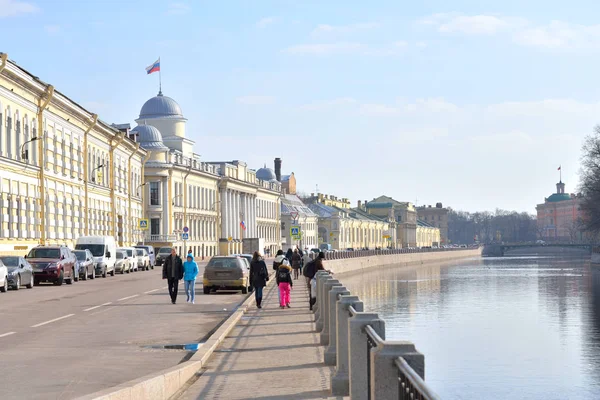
(185, 191)
(137, 146)
(111, 182)
(86, 171)
(43, 104)
(3, 58)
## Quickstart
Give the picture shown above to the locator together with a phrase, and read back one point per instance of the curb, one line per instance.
(164, 384)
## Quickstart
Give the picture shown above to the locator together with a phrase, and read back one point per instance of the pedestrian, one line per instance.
(296, 260)
(285, 283)
(310, 270)
(258, 277)
(289, 254)
(173, 271)
(190, 272)
(277, 263)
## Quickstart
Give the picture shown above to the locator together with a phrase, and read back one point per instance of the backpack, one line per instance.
(310, 269)
(283, 274)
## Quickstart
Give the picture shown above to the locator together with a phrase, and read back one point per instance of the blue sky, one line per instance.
(471, 103)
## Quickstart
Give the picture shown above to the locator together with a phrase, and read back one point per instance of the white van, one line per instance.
(104, 250)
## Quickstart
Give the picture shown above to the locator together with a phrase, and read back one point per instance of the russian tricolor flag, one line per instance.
(154, 67)
(243, 225)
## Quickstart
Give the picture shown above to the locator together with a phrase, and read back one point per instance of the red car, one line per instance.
(53, 264)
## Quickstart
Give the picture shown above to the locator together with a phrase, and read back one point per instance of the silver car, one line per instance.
(85, 260)
(20, 272)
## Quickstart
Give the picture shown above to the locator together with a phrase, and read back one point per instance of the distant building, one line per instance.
(403, 213)
(328, 200)
(427, 235)
(559, 218)
(435, 216)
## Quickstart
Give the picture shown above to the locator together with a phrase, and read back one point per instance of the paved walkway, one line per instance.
(271, 354)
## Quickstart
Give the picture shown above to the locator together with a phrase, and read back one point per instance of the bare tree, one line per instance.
(590, 181)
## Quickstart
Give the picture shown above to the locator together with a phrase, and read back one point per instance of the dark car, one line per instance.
(54, 264)
(20, 272)
(162, 253)
(85, 261)
(226, 272)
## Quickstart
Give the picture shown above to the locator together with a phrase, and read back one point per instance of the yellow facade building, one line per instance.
(63, 172)
(328, 200)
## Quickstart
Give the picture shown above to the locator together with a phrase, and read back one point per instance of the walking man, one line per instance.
(173, 272)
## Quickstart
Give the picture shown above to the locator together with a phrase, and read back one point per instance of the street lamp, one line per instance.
(25, 153)
(97, 168)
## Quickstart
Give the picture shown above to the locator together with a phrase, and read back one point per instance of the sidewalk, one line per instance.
(271, 354)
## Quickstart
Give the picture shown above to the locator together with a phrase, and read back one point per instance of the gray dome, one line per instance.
(266, 174)
(161, 107)
(149, 137)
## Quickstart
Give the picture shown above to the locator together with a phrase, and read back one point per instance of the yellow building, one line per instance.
(427, 235)
(63, 172)
(403, 213)
(328, 200)
(436, 216)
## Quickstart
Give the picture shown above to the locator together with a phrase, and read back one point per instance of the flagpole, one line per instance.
(560, 169)
(159, 78)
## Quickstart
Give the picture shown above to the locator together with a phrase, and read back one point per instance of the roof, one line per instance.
(161, 106)
(292, 203)
(420, 222)
(361, 214)
(385, 202)
(266, 174)
(556, 197)
(285, 178)
(149, 137)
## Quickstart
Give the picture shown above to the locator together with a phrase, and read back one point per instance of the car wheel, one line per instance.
(112, 273)
(31, 283)
(207, 290)
(4, 287)
(124, 272)
(17, 283)
(245, 290)
(60, 279)
(151, 266)
(104, 272)
(85, 275)
(36, 282)
(93, 275)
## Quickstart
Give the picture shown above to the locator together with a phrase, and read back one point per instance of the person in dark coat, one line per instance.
(173, 272)
(258, 277)
(296, 260)
(288, 255)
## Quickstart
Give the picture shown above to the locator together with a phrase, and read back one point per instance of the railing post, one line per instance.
(318, 276)
(357, 352)
(340, 382)
(384, 372)
(330, 284)
(320, 302)
(330, 353)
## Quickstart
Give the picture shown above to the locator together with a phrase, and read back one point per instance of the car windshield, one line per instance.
(164, 250)
(10, 261)
(81, 255)
(223, 263)
(140, 252)
(119, 255)
(96, 249)
(129, 253)
(44, 253)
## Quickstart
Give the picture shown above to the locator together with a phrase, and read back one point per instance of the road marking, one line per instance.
(52, 320)
(152, 291)
(127, 298)
(7, 334)
(101, 305)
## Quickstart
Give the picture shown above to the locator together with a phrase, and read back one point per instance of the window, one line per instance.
(155, 226)
(154, 194)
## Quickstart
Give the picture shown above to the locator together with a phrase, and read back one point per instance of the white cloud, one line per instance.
(264, 22)
(178, 9)
(255, 100)
(52, 29)
(554, 35)
(342, 29)
(11, 8)
(324, 48)
(328, 104)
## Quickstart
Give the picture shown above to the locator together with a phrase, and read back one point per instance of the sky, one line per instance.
(474, 104)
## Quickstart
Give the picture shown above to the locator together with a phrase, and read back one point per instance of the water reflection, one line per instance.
(495, 328)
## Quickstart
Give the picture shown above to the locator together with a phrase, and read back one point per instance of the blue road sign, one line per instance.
(185, 236)
(186, 229)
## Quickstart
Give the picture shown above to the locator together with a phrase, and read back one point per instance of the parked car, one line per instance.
(54, 264)
(123, 262)
(150, 251)
(103, 249)
(20, 272)
(132, 256)
(143, 259)
(85, 261)
(163, 252)
(226, 272)
(3, 277)
(247, 257)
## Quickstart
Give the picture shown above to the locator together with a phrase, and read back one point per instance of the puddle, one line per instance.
(185, 347)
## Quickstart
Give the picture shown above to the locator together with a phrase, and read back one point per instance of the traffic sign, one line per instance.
(294, 230)
(230, 238)
(185, 236)
(143, 224)
(294, 215)
(186, 229)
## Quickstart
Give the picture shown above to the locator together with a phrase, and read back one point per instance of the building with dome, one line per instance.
(64, 172)
(559, 218)
(220, 203)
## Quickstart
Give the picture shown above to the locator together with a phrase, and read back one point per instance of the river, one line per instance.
(525, 327)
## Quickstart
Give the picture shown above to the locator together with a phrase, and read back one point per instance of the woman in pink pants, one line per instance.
(285, 283)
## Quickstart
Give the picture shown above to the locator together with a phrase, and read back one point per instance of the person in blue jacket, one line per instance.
(190, 271)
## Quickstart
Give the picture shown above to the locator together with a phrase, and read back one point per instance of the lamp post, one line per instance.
(97, 168)
(25, 153)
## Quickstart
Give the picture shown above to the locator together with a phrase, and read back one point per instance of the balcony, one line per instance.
(162, 238)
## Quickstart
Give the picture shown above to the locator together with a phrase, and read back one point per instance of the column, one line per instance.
(224, 213)
(237, 215)
(165, 207)
(231, 214)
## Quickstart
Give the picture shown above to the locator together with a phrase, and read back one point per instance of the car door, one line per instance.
(26, 271)
(90, 259)
(68, 263)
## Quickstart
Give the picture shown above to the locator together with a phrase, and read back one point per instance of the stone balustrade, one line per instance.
(342, 254)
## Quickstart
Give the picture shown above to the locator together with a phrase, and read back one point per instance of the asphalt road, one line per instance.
(68, 341)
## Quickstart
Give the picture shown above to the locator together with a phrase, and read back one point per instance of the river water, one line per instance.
(525, 327)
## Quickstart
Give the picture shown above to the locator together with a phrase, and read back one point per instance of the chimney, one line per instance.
(365, 205)
(278, 169)
(360, 204)
(438, 205)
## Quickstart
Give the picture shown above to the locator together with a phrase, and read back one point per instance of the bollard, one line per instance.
(316, 305)
(340, 382)
(322, 277)
(357, 352)
(331, 283)
(384, 372)
(330, 353)
(321, 301)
